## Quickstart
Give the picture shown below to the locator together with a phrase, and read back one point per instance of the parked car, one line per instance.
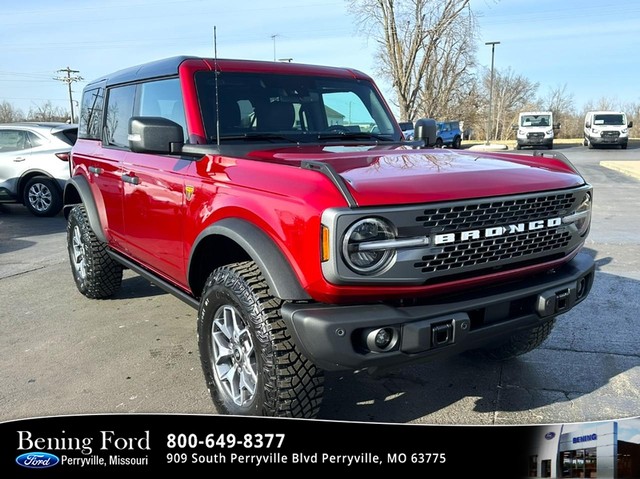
(449, 134)
(606, 128)
(34, 164)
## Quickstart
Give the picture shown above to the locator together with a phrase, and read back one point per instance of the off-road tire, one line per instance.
(457, 143)
(42, 196)
(287, 384)
(95, 273)
(439, 143)
(518, 343)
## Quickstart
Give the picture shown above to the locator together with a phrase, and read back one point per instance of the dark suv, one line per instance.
(283, 203)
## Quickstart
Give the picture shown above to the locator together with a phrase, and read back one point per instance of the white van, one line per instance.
(535, 128)
(606, 128)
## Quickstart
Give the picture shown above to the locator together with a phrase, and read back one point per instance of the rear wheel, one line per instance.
(250, 362)
(439, 143)
(518, 343)
(42, 196)
(457, 143)
(96, 274)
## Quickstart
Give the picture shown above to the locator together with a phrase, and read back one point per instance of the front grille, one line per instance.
(610, 134)
(496, 213)
(535, 136)
(473, 254)
(498, 250)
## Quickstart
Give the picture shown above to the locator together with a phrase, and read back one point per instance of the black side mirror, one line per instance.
(630, 125)
(514, 127)
(587, 124)
(426, 130)
(556, 126)
(154, 134)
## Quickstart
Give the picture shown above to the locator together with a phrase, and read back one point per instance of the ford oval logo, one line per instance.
(550, 435)
(37, 460)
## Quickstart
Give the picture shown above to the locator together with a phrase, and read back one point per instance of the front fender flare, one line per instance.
(275, 268)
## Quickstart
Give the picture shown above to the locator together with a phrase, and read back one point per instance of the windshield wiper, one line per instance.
(258, 136)
(352, 135)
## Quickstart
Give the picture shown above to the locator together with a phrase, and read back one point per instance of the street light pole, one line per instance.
(490, 120)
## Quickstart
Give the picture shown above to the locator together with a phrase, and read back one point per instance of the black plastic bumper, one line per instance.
(536, 142)
(341, 337)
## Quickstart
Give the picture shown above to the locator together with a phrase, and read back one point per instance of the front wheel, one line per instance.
(518, 343)
(250, 362)
(439, 143)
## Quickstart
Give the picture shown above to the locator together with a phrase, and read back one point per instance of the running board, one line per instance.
(158, 281)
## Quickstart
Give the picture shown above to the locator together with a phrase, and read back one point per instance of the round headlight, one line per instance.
(370, 259)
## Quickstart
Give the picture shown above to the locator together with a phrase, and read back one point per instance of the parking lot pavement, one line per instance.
(61, 353)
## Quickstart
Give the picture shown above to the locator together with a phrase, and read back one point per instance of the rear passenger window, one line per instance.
(119, 111)
(90, 123)
(163, 98)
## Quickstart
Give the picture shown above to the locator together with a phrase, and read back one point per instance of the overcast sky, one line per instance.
(588, 45)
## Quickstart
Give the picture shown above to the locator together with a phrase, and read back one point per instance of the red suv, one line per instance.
(281, 201)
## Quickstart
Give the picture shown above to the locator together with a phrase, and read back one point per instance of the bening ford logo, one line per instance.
(494, 232)
(37, 460)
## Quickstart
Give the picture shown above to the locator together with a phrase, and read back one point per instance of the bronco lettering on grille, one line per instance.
(448, 238)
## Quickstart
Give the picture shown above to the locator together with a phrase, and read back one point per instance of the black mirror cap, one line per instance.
(514, 127)
(426, 130)
(630, 125)
(154, 134)
(556, 126)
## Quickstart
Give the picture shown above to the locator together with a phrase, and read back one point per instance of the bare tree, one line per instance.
(9, 114)
(559, 101)
(512, 93)
(47, 112)
(425, 48)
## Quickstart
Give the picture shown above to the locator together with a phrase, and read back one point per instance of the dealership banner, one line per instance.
(107, 445)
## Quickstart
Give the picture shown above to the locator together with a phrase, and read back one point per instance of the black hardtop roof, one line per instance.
(168, 67)
(154, 69)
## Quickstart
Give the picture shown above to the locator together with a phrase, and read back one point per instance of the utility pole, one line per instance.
(273, 37)
(69, 80)
(490, 124)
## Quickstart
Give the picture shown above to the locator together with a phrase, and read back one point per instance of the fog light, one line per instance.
(382, 339)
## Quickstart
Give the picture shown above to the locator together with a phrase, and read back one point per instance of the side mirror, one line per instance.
(556, 126)
(587, 124)
(514, 127)
(630, 125)
(406, 125)
(154, 134)
(425, 130)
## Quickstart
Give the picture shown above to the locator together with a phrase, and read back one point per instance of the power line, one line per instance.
(69, 80)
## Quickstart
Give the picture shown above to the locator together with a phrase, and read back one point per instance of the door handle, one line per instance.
(96, 170)
(131, 179)
(19, 158)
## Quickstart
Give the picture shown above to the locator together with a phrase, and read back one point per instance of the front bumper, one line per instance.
(608, 140)
(338, 337)
(535, 142)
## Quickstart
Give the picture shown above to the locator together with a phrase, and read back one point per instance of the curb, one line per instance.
(630, 168)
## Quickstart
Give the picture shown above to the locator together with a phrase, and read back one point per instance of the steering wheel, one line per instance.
(338, 129)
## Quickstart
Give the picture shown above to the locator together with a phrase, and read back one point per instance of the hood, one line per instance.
(392, 175)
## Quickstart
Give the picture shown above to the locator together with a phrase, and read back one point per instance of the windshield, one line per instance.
(609, 119)
(292, 108)
(535, 120)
